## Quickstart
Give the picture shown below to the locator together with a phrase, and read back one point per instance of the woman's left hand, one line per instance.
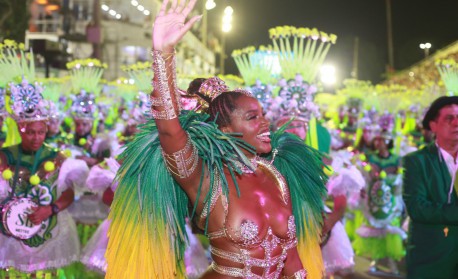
(169, 25)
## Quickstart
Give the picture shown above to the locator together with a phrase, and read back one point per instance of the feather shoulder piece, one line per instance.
(147, 235)
(302, 168)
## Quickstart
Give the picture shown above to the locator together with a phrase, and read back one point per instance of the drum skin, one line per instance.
(15, 218)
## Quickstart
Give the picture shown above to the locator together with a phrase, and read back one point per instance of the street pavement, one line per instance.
(362, 267)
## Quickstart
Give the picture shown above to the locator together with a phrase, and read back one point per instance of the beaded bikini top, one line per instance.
(247, 236)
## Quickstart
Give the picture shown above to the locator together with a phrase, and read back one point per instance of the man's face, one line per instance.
(297, 127)
(33, 135)
(83, 127)
(445, 126)
(379, 143)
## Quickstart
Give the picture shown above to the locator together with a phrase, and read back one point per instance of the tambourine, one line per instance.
(15, 217)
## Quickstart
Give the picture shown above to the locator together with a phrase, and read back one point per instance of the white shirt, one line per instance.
(452, 166)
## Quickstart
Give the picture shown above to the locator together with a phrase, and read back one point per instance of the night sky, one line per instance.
(414, 22)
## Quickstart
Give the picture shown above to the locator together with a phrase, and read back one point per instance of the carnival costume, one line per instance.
(11, 68)
(3, 114)
(88, 210)
(381, 236)
(150, 208)
(100, 178)
(37, 179)
(338, 254)
(56, 245)
(54, 89)
(296, 99)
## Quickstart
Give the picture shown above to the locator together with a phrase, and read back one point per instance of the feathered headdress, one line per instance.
(448, 69)
(15, 63)
(386, 123)
(256, 65)
(141, 73)
(139, 110)
(263, 93)
(300, 50)
(3, 110)
(85, 76)
(84, 106)
(53, 92)
(18, 67)
(140, 107)
(295, 99)
(27, 102)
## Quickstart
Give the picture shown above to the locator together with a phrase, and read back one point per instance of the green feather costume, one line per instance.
(147, 235)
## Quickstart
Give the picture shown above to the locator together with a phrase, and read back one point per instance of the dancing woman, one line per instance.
(259, 206)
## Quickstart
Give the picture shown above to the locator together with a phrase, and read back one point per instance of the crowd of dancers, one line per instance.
(272, 179)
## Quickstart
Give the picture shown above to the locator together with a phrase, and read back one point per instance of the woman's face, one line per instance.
(248, 119)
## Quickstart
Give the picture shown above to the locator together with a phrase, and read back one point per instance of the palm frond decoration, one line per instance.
(86, 74)
(301, 50)
(141, 73)
(15, 63)
(255, 64)
(448, 70)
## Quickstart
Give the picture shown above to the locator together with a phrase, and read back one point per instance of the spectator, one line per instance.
(430, 195)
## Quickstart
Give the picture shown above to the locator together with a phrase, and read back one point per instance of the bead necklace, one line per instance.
(246, 169)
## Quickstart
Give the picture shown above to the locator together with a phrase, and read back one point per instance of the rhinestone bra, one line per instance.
(249, 233)
(246, 236)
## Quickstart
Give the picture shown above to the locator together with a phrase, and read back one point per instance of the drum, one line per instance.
(15, 217)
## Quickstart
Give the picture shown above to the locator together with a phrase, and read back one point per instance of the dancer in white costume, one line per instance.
(35, 174)
(338, 254)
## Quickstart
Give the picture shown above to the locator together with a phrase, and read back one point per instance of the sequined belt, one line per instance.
(248, 262)
(245, 273)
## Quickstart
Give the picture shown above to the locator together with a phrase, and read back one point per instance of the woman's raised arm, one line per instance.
(180, 154)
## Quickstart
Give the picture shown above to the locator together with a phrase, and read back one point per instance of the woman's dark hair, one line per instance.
(194, 86)
(221, 107)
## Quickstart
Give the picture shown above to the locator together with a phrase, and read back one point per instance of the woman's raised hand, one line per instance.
(170, 26)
